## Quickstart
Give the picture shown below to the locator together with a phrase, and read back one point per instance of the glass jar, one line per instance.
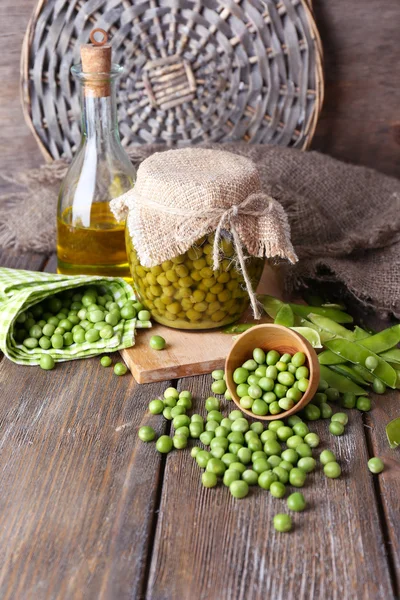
(185, 292)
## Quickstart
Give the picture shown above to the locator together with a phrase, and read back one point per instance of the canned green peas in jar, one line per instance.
(186, 293)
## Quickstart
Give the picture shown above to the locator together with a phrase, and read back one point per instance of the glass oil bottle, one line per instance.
(89, 239)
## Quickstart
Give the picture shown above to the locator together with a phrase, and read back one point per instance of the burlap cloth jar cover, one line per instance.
(181, 195)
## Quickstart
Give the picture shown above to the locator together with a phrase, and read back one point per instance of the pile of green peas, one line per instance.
(271, 383)
(75, 316)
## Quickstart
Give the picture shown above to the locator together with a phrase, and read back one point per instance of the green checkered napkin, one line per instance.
(19, 290)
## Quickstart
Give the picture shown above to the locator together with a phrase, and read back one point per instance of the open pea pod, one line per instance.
(332, 313)
(327, 357)
(382, 341)
(349, 372)
(311, 335)
(357, 354)
(392, 355)
(271, 305)
(331, 327)
(360, 333)
(238, 327)
(325, 336)
(393, 433)
(342, 383)
(364, 373)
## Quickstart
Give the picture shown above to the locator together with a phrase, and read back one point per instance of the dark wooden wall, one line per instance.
(361, 116)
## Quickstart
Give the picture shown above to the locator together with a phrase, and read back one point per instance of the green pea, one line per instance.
(294, 394)
(57, 340)
(280, 390)
(371, 362)
(250, 365)
(298, 359)
(296, 502)
(157, 342)
(94, 316)
(68, 338)
(326, 410)
(363, 403)
(291, 369)
(294, 441)
(259, 407)
(277, 489)
(206, 437)
(284, 433)
(48, 330)
(332, 470)
(261, 371)
(284, 464)
(196, 429)
(45, 343)
(239, 489)
(254, 444)
(228, 396)
(336, 428)
(323, 385)
(254, 391)
(230, 475)
(129, 312)
(300, 429)
(303, 450)
(250, 477)
(272, 357)
(257, 427)
(218, 387)
(260, 465)
(244, 455)
(240, 425)
(112, 318)
(179, 441)
(290, 455)
(215, 415)
(221, 432)
(185, 394)
(235, 414)
(253, 379)
(194, 451)
(155, 406)
(164, 444)
(259, 356)
(268, 434)
(271, 372)
(272, 447)
(227, 423)
(215, 465)
(258, 454)
(184, 430)
(302, 373)
(307, 464)
(86, 325)
(312, 412)
(143, 315)
(180, 420)
(266, 384)
(107, 332)
(47, 362)
(54, 304)
(212, 425)
(281, 473)
(320, 398)
(92, 335)
(202, 458)
(170, 401)
(293, 420)
(327, 456)
(242, 390)
(120, 368)
(332, 394)
(274, 460)
(269, 397)
(341, 418)
(348, 400)
(229, 458)
(147, 434)
(171, 393)
(312, 439)
(266, 478)
(378, 386)
(177, 410)
(59, 330)
(375, 465)
(240, 375)
(274, 425)
(218, 374)
(281, 366)
(303, 384)
(31, 342)
(285, 403)
(297, 477)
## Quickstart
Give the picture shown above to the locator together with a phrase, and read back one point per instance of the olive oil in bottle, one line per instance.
(89, 238)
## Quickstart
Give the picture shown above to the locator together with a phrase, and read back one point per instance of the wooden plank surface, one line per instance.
(209, 545)
(79, 490)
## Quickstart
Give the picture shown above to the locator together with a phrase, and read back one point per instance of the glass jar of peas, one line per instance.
(186, 293)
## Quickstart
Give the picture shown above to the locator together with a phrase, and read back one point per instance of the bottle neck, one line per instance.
(99, 117)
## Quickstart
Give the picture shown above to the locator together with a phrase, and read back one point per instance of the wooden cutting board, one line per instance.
(188, 353)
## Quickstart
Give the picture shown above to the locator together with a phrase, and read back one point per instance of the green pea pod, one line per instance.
(393, 433)
(324, 335)
(364, 373)
(333, 305)
(332, 327)
(340, 382)
(238, 327)
(330, 358)
(349, 372)
(392, 355)
(355, 353)
(382, 341)
(285, 316)
(360, 334)
(311, 335)
(271, 305)
(332, 313)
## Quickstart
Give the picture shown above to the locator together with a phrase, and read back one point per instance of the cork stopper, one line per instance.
(96, 64)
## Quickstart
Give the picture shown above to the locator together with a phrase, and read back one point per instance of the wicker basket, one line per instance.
(196, 70)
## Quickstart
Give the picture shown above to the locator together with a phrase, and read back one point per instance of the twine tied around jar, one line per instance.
(182, 195)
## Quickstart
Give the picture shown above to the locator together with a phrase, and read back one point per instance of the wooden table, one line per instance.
(89, 511)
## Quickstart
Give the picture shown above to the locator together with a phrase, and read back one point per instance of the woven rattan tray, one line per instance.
(196, 70)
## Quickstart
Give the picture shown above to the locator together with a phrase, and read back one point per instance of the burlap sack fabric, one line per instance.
(345, 220)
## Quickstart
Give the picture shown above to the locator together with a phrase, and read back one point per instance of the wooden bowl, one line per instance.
(272, 337)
